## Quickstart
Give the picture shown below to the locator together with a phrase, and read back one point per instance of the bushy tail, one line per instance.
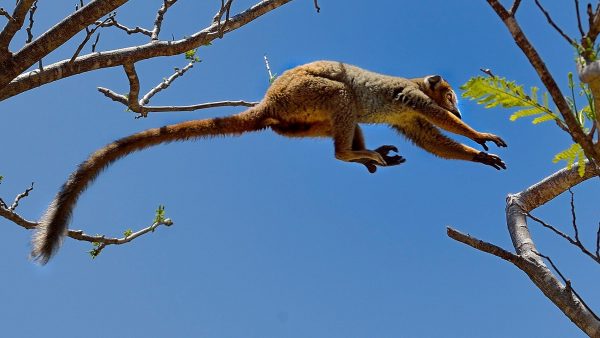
(53, 225)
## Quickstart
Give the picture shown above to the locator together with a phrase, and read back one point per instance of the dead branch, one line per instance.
(579, 26)
(19, 197)
(5, 14)
(119, 57)
(31, 22)
(159, 18)
(528, 261)
(568, 284)
(114, 23)
(514, 7)
(553, 24)
(574, 241)
(165, 83)
(161, 109)
(88, 35)
(51, 39)
(225, 9)
(13, 25)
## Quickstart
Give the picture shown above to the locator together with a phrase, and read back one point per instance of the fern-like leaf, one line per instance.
(497, 91)
(574, 152)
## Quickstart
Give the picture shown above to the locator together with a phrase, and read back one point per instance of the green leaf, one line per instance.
(581, 163)
(570, 155)
(159, 216)
(526, 112)
(127, 232)
(544, 118)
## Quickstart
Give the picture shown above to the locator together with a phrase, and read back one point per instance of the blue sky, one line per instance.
(273, 237)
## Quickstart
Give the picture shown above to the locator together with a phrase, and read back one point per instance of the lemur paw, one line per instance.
(485, 137)
(490, 159)
(389, 160)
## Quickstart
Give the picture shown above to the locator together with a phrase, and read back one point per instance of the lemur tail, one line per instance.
(53, 225)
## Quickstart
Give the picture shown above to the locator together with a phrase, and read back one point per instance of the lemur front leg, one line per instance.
(359, 143)
(428, 137)
(448, 121)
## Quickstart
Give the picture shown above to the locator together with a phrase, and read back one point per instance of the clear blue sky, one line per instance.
(273, 237)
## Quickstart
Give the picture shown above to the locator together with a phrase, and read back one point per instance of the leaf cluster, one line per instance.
(496, 91)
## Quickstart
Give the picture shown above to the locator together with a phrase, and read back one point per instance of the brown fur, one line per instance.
(320, 99)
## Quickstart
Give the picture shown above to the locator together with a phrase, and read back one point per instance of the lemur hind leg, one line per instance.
(358, 143)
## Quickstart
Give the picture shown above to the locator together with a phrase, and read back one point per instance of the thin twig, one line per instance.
(579, 18)
(568, 284)
(482, 245)
(158, 109)
(88, 35)
(159, 18)
(573, 216)
(95, 42)
(225, 8)
(18, 198)
(165, 83)
(30, 26)
(4, 13)
(514, 7)
(553, 24)
(487, 71)
(3, 204)
(598, 241)
(80, 235)
(575, 242)
(319, 8)
(114, 23)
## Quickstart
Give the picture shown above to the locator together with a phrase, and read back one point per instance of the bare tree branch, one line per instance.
(225, 9)
(159, 18)
(319, 8)
(568, 284)
(5, 14)
(19, 197)
(157, 109)
(483, 246)
(165, 83)
(12, 27)
(54, 37)
(553, 24)
(579, 18)
(95, 42)
(114, 23)
(518, 205)
(514, 7)
(119, 57)
(576, 242)
(31, 22)
(88, 35)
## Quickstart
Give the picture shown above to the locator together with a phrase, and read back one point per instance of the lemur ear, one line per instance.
(432, 80)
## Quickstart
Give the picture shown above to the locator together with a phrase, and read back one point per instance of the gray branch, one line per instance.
(165, 83)
(527, 258)
(159, 18)
(11, 85)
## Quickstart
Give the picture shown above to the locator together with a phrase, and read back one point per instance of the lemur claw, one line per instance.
(389, 160)
(490, 137)
(490, 159)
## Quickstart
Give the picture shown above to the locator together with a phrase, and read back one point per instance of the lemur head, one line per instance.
(440, 91)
